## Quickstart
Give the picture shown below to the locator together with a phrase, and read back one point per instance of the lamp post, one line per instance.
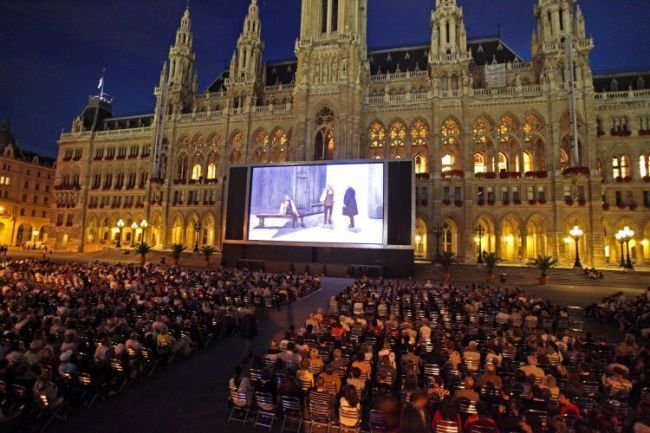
(437, 232)
(619, 238)
(134, 227)
(120, 226)
(576, 234)
(480, 232)
(197, 229)
(143, 224)
(626, 236)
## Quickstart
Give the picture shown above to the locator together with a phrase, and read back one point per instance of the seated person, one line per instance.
(490, 376)
(356, 381)
(332, 381)
(481, 419)
(467, 392)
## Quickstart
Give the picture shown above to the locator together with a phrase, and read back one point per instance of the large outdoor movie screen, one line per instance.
(324, 203)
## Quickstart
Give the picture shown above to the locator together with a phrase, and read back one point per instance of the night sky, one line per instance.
(52, 51)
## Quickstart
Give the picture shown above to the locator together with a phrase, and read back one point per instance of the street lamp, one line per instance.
(144, 224)
(576, 234)
(197, 229)
(134, 227)
(480, 232)
(437, 231)
(120, 226)
(619, 238)
(626, 236)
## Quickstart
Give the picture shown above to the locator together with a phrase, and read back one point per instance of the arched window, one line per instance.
(376, 135)
(447, 162)
(421, 166)
(447, 238)
(507, 126)
(502, 162)
(181, 170)
(279, 145)
(621, 166)
(528, 162)
(644, 165)
(196, 171)
(261, 152)
(564, 159)
(479, 163)
(325, 144)
(212, 171)
(450, 131)
(419, 133)
(397, 134)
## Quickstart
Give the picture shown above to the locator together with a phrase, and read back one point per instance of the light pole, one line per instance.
(143, 224)
(480, 232)
(120, 226)
(197, 229)
(619, 238)
(134, 227)
(576, 234)
(437, 232)
(626, 236)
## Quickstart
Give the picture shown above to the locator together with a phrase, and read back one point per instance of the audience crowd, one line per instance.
(631, 314)
(409, 357)
(73, 333)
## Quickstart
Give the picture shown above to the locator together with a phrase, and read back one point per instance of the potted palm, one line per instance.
(491, 260)
(543, 264)
(177, 250)
(207, 251)
(446, 259)
(142, 250)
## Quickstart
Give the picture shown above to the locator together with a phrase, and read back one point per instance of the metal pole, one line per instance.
(629, 262)
(577, 263)
(622, 262)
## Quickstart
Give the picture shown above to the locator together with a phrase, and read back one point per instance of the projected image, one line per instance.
(338, 203)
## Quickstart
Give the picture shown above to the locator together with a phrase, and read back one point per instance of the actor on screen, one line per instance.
(288, 207)
(327, 198)
(350, 205)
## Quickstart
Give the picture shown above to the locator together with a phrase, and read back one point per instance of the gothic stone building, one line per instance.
(490, 133)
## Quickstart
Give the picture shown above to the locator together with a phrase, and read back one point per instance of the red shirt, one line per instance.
(570, 407)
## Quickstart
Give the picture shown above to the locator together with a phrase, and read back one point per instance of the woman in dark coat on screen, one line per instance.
(350, 205)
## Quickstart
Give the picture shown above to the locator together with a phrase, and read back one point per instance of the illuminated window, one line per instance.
(279, 145)
(450, 131)
(419, 133)
(196, 171)
(447, 162)
(507, 126)
(376, 135)
(261, 139)
(479, 163)
(644, 165)
(533, 126)
(502, 163)
(621, 166)
(564, 159)
(420, 164)
(397, 134)
(482, 130)
(528, 162)
(212, 170)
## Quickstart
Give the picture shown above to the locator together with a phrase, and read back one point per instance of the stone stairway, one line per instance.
(517, 275)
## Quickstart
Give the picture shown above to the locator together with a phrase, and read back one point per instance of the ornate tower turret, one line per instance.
(181, 58)
(449, 57)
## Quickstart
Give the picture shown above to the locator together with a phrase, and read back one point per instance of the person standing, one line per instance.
(350, 205)
(248, 332)
(327, 198)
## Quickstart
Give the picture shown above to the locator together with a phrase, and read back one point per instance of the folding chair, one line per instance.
(446, 427)
(265, 410)
(349, 420)
(376, 421)
(292, 411)
(46, 409)
(240, 406)
(320, 411)
(89, 394)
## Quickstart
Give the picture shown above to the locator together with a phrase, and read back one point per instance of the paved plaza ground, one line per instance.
(191, 396)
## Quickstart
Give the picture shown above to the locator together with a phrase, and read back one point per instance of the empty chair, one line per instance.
(376, 421)
(265, 410)
(446, 427)
(241, 406)
(292, 411)
(320, 411)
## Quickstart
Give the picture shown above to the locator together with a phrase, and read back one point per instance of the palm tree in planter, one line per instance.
(543, 264)
(491, 260)
(177, 250)
(207, 251)
(142, 250)
(446, 259)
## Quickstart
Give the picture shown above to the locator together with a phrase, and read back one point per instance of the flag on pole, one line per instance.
(100, 85)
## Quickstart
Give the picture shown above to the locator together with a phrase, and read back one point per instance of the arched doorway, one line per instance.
(207, 230)
(324, 144)
(420, 238)
(536, 241)
(510, 239)
(23, 234)
(449, 237)
(486, 243)
(177, 231)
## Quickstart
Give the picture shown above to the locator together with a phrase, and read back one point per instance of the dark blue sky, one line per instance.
(52, 51)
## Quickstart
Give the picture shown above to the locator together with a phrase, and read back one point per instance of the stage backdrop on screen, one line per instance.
(317, 203)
